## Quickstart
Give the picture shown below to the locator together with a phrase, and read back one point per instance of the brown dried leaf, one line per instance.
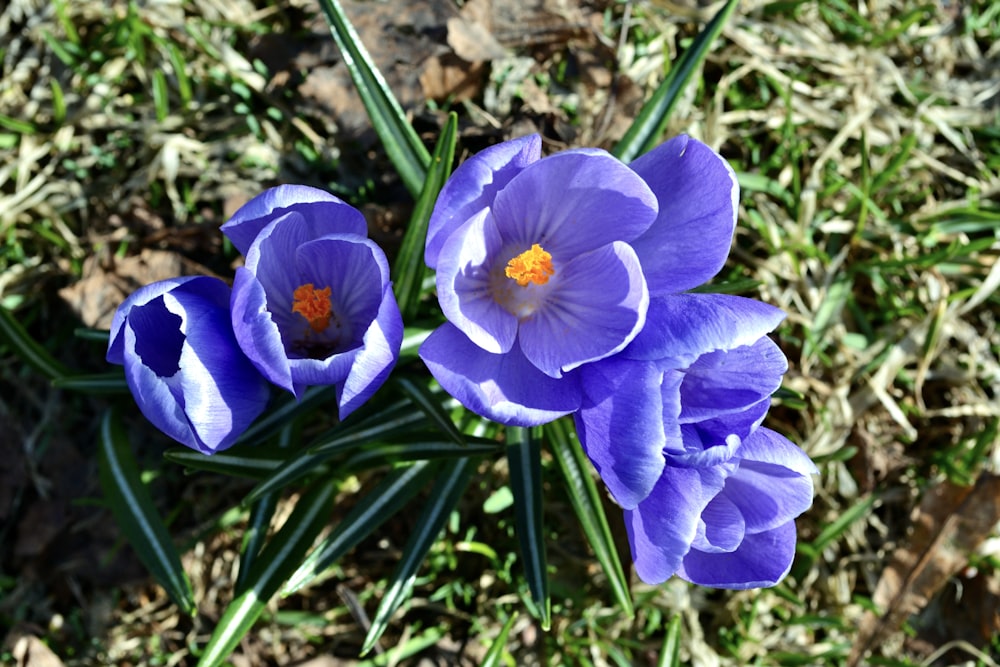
(472, 42)
(950, 523)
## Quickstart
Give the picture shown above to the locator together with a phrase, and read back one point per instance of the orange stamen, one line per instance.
(314, 305)
(534, 265)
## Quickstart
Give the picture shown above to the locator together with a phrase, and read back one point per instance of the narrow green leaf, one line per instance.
(404, 148)
(161, 96)
(136, 515)
(495, 653)
(281, 555)
(280, 416)
(408, 649)
(98, 383)
(58, 102)
(418, 448)
(645, 132)
(431, 405)
(452, 480)
(670, 652)
(251, 462)
(584, 496)
(409, 269)
(399, 418)
(394, 491)
(254, 537)
(524, 457)
(25, 347)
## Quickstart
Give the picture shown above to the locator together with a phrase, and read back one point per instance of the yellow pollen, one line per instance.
(534, 265)
(314, 305)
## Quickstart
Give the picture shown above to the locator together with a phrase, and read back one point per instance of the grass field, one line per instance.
(866, 136)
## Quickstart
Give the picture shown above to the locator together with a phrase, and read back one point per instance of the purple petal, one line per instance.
(464, 286)
(573, 202)
(623, 431)
(597, 306)
(721, 528)
(662, 527)
(140, 297)
(730, 381)
(256, 332)
(698, 196)
(717, 441)
(473, 187)
(503, 387)
(185, 370)
(763, 559)
(320, 210)
(682, 327)
(375, 359)
(773, 483)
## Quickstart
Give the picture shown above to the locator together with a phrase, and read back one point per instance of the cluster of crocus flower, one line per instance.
(565, 282)
(312, 305)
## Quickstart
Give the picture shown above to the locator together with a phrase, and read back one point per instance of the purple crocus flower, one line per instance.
(673, 426)
(536, 276)
(183, 365)
(313, 303)
(545, 265)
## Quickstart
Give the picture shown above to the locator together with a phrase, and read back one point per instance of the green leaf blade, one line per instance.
(453, 479)
(583, 493)
(274, 564)
(401, 142)
(408, 271)
(136, 515)
(645, 132)
(524, 456)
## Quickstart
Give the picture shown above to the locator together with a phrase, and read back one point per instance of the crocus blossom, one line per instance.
(545, 265)
(673, 426)
(313, 303)
(183, 365)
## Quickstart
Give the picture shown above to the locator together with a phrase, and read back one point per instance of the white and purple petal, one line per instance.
(573, 202)
(682, 327)
(506, 388)
(465, 285)
(474, 185)
(663, 526)
(698, 201)
(596, 306)
(761, 560)
(621, 425)
(323, 212)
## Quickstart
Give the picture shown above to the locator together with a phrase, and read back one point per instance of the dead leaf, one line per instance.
(30, 651)
(950, 523)
(448, 77)
(472, 42)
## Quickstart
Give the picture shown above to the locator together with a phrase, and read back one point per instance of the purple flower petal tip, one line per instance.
(183, 364)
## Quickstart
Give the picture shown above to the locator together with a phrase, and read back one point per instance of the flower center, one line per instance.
(314, 305)
(534, 265)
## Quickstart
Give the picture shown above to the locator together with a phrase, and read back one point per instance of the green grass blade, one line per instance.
(254, 537)
(136, 515)
(670, 652)
(645, 132)
(524, 457)
(408, 271)
(254, 463)
(452, 480)
(394, 491)
(584, 496)
(281, 555)
(25, 347)
(278, 417)
(404, 148)
(431, 405)
(494, 655)
(390, 423)
(418, 448)
(98, 383)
